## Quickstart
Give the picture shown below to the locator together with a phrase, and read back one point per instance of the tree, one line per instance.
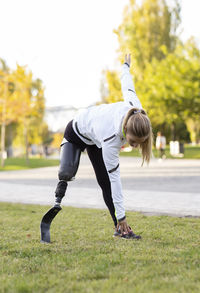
(30, 94)
(147, 27)
(170, 88)
(144, 30)
(21, 101)
(114, 87)
(8, 104)
(192, 90)
(36, 123)
(166, 72)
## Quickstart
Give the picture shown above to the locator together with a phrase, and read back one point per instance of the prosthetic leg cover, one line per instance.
(69, 162)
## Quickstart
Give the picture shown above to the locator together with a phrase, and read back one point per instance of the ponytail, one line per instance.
(137, 123)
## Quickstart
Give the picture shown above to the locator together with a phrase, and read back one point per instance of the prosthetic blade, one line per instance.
(46, 223)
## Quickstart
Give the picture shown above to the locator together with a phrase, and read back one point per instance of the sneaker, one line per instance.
(117, 233)
(129, 235)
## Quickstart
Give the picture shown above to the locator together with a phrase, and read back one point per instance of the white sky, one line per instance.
(67, 43)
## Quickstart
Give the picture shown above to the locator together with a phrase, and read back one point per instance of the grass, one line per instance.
(190, 152)
(20, 163)
(84, 257)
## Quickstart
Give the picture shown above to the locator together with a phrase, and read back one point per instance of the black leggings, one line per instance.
(96, 158)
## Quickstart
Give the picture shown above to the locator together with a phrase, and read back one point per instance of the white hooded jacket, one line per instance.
(102, 125)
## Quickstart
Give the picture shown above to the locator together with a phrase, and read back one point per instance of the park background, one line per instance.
(59, 57)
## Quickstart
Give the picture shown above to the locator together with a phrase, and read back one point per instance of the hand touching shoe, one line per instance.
(124, 227)
(124, 231)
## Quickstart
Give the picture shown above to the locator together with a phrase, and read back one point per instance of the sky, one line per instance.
(68, 43)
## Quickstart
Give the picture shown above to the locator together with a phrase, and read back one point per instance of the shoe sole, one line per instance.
(131, 238)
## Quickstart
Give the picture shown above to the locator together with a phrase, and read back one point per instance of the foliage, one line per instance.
(8, 104)
(145, 28)
(90, 260)
(22, 105)
(30, 94)
(114, 87)
(45, 134)
(57, 139)
(180, 131)
(166, 71)
(170, 88)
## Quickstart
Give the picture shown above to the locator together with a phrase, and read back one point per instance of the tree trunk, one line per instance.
(26, 143)
(3, 128)
(3, 134)
(173, 131)
(194, 129)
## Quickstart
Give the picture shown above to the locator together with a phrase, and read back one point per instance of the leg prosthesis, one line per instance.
(69, 162)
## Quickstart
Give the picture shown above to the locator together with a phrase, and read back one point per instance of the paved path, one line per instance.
(169, 187)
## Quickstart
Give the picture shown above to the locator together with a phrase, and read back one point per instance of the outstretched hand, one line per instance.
(127, 59)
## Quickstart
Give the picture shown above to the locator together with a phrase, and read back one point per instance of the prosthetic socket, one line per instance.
(69, 162)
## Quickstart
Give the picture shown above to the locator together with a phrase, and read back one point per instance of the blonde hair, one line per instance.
(137, 123)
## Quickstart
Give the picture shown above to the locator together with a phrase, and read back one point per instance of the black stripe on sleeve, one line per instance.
(109, 138)
(80, 133)
(127, 64)
(122, 219)
(130, 90)
(114, 169)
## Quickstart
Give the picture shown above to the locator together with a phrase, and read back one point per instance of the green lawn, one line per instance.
(84, 257)
(20, 163)
(190, 152)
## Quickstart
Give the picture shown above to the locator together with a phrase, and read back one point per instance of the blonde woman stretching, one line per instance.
(102, 130)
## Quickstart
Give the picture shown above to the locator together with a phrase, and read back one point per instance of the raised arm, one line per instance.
(127, 84)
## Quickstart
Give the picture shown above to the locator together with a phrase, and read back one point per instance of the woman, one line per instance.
(102, 130)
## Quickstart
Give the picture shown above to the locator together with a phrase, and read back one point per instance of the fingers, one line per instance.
(127, 59)
(124, 231)
(129, 229)
(124, 227)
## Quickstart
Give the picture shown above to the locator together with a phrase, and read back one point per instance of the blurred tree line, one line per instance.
(22, 106)
(166, 71)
